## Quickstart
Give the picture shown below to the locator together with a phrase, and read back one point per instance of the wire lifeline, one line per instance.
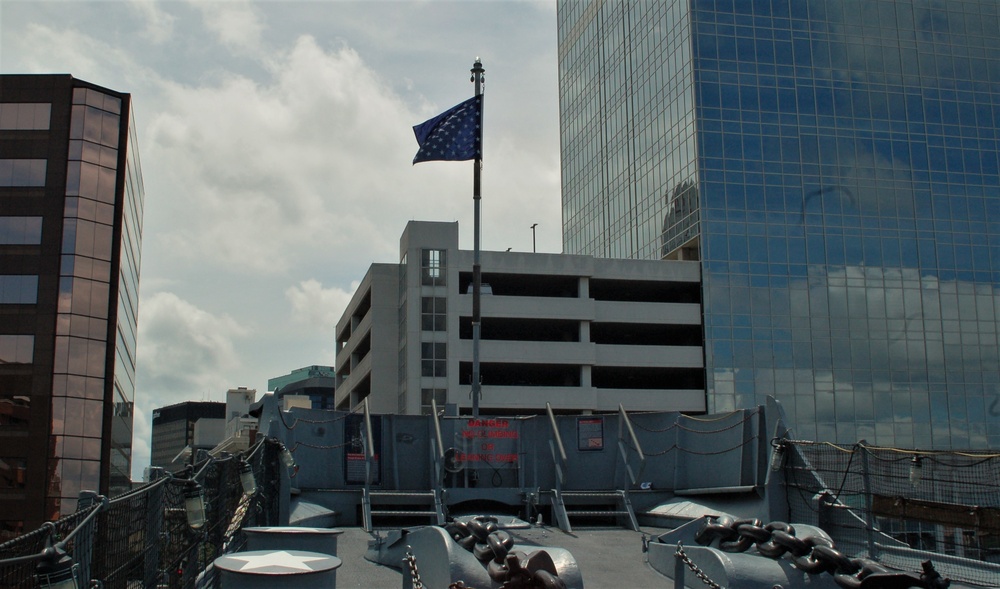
(319, 446)
(653, 429)
(281, 416)
(745, 419)
(711, 419)
(669, 449)
(751, 440)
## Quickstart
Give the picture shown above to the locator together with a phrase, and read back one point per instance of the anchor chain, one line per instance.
(810, 554)
(494, 548)
(694, 568)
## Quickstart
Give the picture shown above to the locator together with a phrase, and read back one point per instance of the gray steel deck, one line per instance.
(608, 557)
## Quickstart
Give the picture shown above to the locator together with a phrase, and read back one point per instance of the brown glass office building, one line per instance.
(71, 201)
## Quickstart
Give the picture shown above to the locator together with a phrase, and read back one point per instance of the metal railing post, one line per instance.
(155, 515)
(623, 420)
(558, 450)
(869, 515)
(369, 447)
(437, 453)
(83, 548)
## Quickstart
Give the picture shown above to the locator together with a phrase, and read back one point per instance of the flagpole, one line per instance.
(477, 77)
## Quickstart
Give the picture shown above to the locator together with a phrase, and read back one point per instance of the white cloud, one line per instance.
(159, 24)
(86, 57)
(317, 306)
(285, 168)
(184, 350)
(236, 23)
(183, 353)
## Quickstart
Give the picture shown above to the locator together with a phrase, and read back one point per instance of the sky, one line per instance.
(276, 144)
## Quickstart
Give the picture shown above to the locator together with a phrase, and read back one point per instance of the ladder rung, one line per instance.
(399, 494)
(593, 513)
(402, 513)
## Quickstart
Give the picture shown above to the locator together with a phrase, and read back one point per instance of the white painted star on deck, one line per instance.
(280, 559)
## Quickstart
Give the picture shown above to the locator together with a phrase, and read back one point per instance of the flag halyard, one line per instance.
(454, 135)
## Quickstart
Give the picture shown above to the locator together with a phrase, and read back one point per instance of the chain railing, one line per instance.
(145, 538)
(901, 506)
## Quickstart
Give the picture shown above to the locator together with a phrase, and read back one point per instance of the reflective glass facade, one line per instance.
(70, 231)
(834, 166)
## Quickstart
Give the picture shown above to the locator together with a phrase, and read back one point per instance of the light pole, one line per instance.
(533, 250)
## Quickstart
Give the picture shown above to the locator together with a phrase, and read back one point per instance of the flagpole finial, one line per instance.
(477, 72)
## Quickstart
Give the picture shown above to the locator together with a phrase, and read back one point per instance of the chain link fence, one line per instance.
(901, 506)
(142, 539)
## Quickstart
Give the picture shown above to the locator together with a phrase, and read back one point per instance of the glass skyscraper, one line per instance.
(71, 202)
(834, 167)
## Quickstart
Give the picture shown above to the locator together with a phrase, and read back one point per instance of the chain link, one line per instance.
(494, 548)
(694, 568)
(811, 554)
(411, 563)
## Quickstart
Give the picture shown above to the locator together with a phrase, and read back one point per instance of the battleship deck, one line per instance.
(607, 557)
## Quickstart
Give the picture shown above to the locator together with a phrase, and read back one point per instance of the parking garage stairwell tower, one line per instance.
(478, 78)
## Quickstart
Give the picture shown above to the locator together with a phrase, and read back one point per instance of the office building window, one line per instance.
(22, 172)
(433, 314)
(10, 529)
(433, 359)
(26, 116)
(18, 289)
(20, 230)
(15, 410)
(438, 396)
(432, 267)
(17, 349)
(12, 472)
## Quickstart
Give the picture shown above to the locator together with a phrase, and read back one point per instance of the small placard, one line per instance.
(590, 433)
(354, 454)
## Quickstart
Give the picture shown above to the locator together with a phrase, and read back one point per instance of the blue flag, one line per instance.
(453, 135)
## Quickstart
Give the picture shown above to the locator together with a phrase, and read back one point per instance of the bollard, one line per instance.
(322, 540)
(277, 569)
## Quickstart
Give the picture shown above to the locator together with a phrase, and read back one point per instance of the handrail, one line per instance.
(369, 448)
(623, 419)
(437, 450)
(555, 432)
(622, 415)
(557, 448)
(437, 430)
